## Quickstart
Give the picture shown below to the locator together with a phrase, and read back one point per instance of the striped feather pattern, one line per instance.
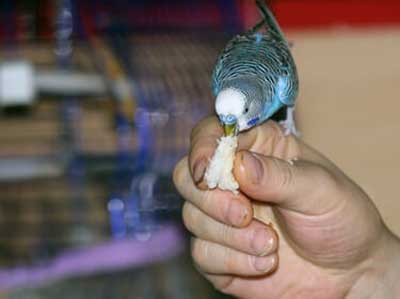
(266, 60)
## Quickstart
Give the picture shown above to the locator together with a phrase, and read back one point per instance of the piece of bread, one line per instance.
(219, 172)
(219, 175)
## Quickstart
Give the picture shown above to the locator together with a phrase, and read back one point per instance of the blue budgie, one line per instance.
(255, 76)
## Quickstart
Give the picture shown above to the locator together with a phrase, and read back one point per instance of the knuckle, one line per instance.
(250, 262)
(285, 172)
(194, 249)
(188, 216)
(207, 201)
(269, 169)
(178, 174)
(230, 260)
(225, 234)
(287, 175)
(279, 176)
(200, 252)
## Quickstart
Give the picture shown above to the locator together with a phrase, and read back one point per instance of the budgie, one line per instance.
(255, 76)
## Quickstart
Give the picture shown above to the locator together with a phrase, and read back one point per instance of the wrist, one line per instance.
(380, 273)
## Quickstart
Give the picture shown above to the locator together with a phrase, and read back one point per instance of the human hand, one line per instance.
(331, 236)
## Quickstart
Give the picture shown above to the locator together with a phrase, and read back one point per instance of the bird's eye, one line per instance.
(246, 110)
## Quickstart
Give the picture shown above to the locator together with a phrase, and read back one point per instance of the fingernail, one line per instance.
(199, 170)
(264, 264)
(237, 214)
(262, 242)
(253, 167)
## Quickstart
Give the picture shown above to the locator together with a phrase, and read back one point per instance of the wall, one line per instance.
(349, 106)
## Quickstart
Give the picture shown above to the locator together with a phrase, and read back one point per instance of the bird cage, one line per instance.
(87, 156)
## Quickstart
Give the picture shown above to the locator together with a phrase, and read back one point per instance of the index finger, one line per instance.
(203, 142)
(223, 206)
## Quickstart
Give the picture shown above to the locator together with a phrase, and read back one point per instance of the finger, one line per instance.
(267, 138)
(213, 258)
(225, 207)
(255, 239)
(297, 185)
(203, 142)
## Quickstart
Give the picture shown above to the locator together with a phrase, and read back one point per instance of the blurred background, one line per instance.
(97, 101)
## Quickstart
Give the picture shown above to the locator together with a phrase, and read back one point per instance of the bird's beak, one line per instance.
(230, 124)
(230, 129)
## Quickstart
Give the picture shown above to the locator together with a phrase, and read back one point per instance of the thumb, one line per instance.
(300, 185)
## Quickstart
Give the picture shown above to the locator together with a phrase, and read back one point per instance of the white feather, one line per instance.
(230, 102)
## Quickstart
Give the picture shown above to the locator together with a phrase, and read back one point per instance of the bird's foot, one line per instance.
(289, 127)
(289, 124)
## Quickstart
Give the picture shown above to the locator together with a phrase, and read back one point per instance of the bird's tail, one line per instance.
(268, 20)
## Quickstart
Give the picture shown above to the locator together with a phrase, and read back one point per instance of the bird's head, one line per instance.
(230, 106)
(236, 111)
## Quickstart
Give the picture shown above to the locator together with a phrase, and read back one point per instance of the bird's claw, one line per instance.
(289, 128)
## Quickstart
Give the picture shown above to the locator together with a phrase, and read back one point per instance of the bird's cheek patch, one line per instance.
(253, 122)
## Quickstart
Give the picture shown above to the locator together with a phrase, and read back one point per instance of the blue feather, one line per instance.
(261, 66)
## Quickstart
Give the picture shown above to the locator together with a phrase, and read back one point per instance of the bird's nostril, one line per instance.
(230, 119)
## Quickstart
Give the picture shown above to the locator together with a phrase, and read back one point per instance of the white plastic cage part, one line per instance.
(17, 85)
